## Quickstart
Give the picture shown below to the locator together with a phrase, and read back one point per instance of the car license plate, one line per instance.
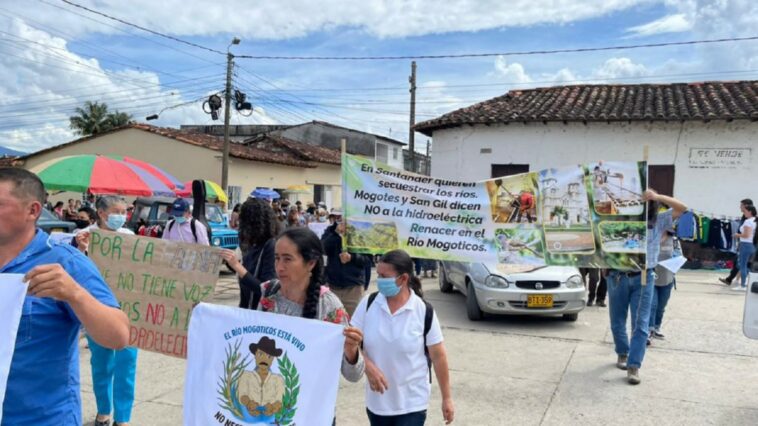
(539, 301)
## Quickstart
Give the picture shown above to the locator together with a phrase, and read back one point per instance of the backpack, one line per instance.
(428, 316)
(192, 226)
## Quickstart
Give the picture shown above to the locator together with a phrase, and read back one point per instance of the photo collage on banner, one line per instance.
(589, 215)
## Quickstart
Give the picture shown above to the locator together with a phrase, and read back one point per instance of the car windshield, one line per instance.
(213, 213)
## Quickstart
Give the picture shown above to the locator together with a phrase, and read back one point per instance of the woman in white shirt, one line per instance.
(394, 346)
(747, 248)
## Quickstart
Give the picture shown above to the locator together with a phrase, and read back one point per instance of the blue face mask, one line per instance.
(180, 219)
(387, 286)
(116, 221)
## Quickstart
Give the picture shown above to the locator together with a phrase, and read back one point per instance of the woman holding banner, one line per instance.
(300, 292)
(257, 231)
(402, 342)
(113, 371)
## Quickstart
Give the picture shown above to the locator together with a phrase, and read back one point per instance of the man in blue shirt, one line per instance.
(66, 291)
(627, 294)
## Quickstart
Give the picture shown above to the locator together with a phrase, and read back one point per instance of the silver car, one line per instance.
(550, 290)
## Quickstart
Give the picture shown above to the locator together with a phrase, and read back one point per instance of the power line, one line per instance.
(159, 34)
(484, 55)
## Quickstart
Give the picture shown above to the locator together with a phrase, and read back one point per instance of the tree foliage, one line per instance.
(94, 118)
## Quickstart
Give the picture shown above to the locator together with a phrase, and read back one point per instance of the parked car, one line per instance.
(150, 211)
(50, 223)
(549, 290)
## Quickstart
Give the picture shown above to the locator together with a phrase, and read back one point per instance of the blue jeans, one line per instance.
(626, 294)
(661, 295)
(410, 419)
(745, 252)
(113, 380)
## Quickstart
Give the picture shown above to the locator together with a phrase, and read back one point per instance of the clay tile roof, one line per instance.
(718, 100)
(285, 157)
(306, 151)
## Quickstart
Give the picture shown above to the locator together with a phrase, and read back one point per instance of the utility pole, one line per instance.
(428, 163)
(411, 133)
(227, 115)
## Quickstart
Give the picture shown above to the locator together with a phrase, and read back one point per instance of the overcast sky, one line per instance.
(54, 56)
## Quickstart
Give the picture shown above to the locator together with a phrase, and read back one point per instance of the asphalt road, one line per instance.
(545, 371)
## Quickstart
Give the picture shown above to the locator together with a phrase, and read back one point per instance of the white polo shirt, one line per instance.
(395, 343)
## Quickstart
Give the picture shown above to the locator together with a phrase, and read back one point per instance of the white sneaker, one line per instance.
(739, 288)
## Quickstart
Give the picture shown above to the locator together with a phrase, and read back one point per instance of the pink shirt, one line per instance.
(183, 233)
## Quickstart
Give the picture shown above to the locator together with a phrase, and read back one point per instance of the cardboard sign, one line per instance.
(157, 283)
(585, 215)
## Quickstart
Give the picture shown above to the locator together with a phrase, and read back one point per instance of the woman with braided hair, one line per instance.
(299, 291)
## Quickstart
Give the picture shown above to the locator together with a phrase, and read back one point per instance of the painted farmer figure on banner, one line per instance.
(261, 391)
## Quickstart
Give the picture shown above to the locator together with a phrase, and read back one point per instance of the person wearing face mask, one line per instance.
(113, 371)
(402, 341)
(184, 228)
(85, 217)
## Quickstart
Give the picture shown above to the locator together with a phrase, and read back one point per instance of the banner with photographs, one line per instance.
(589, 215)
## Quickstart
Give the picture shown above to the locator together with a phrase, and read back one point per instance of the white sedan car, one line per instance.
(549, 290)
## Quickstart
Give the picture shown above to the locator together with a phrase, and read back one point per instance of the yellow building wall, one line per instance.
(188, 162)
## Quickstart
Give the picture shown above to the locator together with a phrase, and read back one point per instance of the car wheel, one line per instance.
(445, 285)
(472, 306)
(570, 317)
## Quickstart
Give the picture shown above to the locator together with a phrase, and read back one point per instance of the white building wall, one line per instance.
(462, 153)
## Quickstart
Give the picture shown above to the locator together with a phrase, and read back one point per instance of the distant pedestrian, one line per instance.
(183, 227)
(58, 211)
(664, 283)
(345, 272)
(736, 264)
(234, 218)
(293, 219)
(596, 284)
(746, 249)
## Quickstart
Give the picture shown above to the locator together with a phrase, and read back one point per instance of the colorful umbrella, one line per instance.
(298, 189)
(97, 174)
(265, 193)
(212, 190)
(167, 179)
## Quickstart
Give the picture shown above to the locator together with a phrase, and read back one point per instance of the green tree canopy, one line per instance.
(94, 118)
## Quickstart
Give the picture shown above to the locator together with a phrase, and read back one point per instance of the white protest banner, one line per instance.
(586, 215)
(251, 367)
(12, 293)
(157, 283)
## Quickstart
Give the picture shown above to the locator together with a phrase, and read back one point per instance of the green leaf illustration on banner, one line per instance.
(291, 377)
(234, 366)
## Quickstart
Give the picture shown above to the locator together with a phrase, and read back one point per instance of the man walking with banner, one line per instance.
(628, 293)
(66, 291)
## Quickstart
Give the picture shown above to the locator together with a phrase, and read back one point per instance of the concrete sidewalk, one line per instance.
(535, 371)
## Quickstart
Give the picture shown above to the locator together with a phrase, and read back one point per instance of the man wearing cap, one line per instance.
(184, 228)
(260, 390)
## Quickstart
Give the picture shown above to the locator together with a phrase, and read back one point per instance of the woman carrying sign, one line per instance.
(113, 371)
(402, 342)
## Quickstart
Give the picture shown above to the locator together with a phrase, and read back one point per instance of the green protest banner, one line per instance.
(589, 215)
(157, 283)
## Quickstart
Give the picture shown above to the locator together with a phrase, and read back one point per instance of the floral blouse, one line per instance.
(330, 309)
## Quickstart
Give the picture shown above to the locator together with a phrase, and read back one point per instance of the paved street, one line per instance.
(544, 371)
